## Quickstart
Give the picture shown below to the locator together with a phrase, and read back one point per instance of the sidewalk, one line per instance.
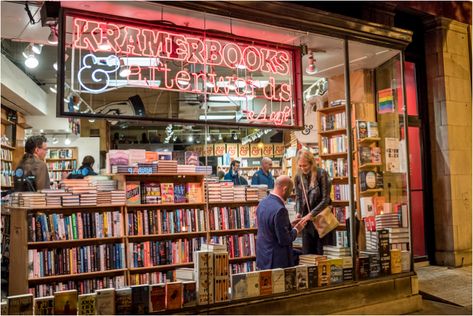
(446, 285)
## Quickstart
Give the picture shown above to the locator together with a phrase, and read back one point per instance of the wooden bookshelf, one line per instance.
(332, 109)
(333, 155)
(370, 166)
(368, 140)
(233, 204)
(234, 231)
(137, 238)
(166, 205)
(73, 242)
(241, 259)
(70, 161)
(82, 275)
(370, 192)
(333, 132)
(164, 267)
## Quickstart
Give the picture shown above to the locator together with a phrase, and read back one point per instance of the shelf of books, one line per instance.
(7, 166)
(61, 161)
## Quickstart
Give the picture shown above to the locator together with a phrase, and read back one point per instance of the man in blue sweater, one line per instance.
(234, 175)
(263, 175)
(275, 231)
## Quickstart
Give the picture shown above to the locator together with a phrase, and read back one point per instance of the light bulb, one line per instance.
(53, 89)
(208, 138)
(190, 139)
(91, 120)
(55, 66)
(67, 141)
(220, 137)
(31, 62)
(55, 141)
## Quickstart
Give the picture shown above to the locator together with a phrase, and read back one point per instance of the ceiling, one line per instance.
(17, 32)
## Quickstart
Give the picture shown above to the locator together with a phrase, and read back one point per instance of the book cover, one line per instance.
(86, 304)
(256, 150)
(279, 150)
(194, 192)
(133, 192)
(323, 273)
(191, 158)
(290, 279)
(65, 302)
(396, 261)
(265, 282)
(378, 203)
(277, 281)
(105, 301)
(118, 157)
(189, 295)
(376, 155)
(140, 299)
(167, 192)
(151, 156)
(312, 276)
(368, 180)
(152, 193)
(336, 270)
(363, 267)
(372, 129)
(244, 150)
(44, 306)
(20, 304)
(123, 301)
(173, 295)
(180, 193)
(367, 208)
(365, 155)
(379, 180)
(239, 286)
(252, 284)
(157, 297)
(301, 275)
(361, 129)
(219, 149)
(204, 272)
(232, 150)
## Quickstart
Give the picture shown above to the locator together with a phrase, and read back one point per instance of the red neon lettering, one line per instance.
(196, 50)
(196, 81)
(165, 69)
(155, 44)
(231, 55)
(129, 41)
(282, 63)
(268, 60)
(286, 93)
(88, 34)
(183, 76)
(135, 73)
(180, 49)
(252, 58)
(112, 34)
(241, 86)
(214, 56)
(278, 117)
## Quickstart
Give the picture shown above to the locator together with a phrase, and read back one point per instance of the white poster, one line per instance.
(393, 163)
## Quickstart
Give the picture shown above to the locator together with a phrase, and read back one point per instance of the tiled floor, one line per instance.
(449, 284)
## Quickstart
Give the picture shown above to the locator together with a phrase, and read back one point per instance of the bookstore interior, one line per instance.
(165, 109)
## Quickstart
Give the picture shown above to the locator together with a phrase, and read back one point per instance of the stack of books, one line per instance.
(185, 169)
(167, 166)
(387, 221)
(88, 199)
(337, 251)
(399, 238)
(203, 169)
(262, 190)
(104, 198)
(147, 168)
(53, 197)
(121, 169)
(71, 200)
(251, 194)
(104, 185)
(226, 190)
(239, 193)
(371, 240)
(32, 199)
(214, 192)
(311, 259)
(118, 197)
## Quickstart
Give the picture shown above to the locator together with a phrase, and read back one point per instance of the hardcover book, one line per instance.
(45, 306)
(368, 180)
(194, 192)
(20, 304)
(140, 299)
(366, 205)
(239, 286)
(173, 295)
(152, 193)
(65, 302)
(123, 301)
(265, 282)
(396, 262)
(133, 193)
(323, 270)
(252, 283)
(365, 155)
(105, 301)
(180, 193)
(189, 295)
(167, 192)
(157, 297)
(278, 280)
(86, 304)
(301, 274)
(336, 270)
(312, 276)
(290, 279)
(361, 129)
(372, 129)
(376, 155)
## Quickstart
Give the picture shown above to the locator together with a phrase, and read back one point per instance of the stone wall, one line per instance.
(448, 64)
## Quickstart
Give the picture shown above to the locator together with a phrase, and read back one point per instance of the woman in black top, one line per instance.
(84, 170)
(317, 187)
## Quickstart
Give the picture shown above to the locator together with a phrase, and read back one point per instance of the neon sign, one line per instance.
(251, 73)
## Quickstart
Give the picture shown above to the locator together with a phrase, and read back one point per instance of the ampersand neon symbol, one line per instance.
(98, 75)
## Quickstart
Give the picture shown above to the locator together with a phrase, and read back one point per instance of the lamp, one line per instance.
(67, 141)
(52, 38)
(311, 69)
(30, 59)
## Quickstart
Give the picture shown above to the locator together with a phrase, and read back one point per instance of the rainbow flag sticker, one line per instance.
(385, 101)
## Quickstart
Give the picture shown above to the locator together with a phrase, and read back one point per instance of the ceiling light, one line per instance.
(52, 38)
(190, 138)
(53, 89)
(55, 140)
(91, 120)
(311, 69)
(37, 48)
(216, 117)
(209, 138)
(219, 136)
(235, 136)
(31, 62)
(67, 141)
(28, 51)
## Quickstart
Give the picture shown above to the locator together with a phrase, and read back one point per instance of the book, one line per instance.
(123, 301)
(365, 155)
(323, 273)
(140, 299)
(239, 286)
(265, 282)
(20, 304)
(194, 192)
(65, 302)
(133, 192)
(376, 155)
(167, 192)
(363, 267)
(301, 277)
(312, 276)
(204, 272)
(173, 295)
(396, 261)
(372, 128)
(367, 208)
(277, 281)
(361, 129)
(180, 193)
(185, 274)
(252, 284)
(44, 306)
(105, 301)
(290, 279)
(336, 270)
(86, 304)
(368, 180)
(189, 295)
(157, 297)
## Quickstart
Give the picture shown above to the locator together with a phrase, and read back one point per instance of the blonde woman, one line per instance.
(312, 185)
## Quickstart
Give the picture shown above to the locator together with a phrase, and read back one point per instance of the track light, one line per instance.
(67, 141)
(53, 89)
(190, 138)
(52, 38)
(30, 59)
(311, 69)
(219, 136)
(124, 69)
(55, 140)
(37, 48)
(209, 138)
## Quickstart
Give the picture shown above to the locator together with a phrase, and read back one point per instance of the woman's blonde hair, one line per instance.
(309, 157)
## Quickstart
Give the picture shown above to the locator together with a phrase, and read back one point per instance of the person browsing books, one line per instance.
(263, 175)
(234, 175)
(275, 231)
(312, 185)
(32, 172)
(85, 170)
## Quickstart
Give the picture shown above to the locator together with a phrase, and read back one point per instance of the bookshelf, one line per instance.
(61, 161)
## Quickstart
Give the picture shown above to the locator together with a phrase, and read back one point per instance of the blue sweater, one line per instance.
(261, 178)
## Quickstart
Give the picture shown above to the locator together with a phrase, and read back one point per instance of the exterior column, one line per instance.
(448, 64)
